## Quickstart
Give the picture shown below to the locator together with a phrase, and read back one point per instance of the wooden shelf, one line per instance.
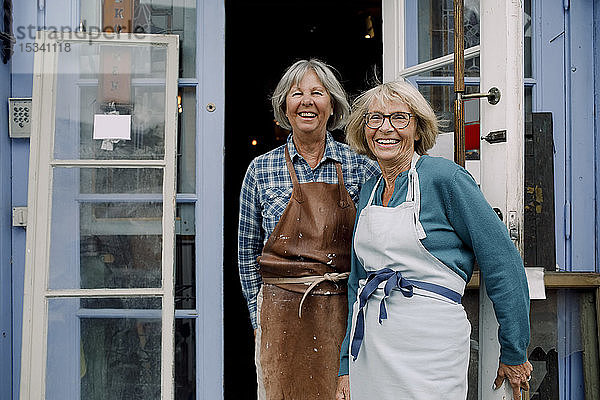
(556, 280)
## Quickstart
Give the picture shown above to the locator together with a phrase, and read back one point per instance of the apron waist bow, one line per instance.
(313, 280)
(393, 279)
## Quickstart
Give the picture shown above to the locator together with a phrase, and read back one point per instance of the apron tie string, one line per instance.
(313, 280)
(393, 279)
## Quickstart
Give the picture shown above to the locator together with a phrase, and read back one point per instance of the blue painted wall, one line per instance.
(6, 333)
(14, 161)
(25, 14)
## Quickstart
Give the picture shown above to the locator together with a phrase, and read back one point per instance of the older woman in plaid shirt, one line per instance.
(297, 210)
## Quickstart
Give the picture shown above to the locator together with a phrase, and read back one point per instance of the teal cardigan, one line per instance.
(461, 227)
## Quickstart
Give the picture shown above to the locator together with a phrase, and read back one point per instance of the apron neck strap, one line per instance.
(297, 191)
(414, 194)
(343, 199)
(370, 202)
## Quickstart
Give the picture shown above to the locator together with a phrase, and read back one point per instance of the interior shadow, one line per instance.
(262, 39)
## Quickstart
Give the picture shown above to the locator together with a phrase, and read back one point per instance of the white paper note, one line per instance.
(109, 126)
(535, 281)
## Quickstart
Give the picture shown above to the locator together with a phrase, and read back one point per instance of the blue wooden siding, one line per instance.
(6, 333)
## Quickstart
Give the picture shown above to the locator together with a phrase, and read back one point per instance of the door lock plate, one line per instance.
(495, 137)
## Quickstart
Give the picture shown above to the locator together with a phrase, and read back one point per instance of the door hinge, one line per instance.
(567, 219)
(19, 216)
(513, 225)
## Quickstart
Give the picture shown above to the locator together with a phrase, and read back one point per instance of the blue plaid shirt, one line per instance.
(267, 189)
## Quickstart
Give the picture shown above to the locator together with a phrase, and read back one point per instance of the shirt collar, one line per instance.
(331, 149)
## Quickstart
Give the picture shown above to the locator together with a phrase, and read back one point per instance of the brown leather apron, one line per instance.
(309, 249)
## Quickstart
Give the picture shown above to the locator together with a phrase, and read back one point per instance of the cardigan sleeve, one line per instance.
(499, 261)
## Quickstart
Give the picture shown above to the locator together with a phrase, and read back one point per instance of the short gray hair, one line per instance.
(427, 122)
(325, 73)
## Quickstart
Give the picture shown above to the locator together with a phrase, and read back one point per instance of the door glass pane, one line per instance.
(441, 98)
(564, 333)
(527, 35)
(436, 33)
(176, 17)
(111, 353)
(185, 359)
(114, 180)
(111, 102)
(186, 152)
(106, 228)
(185, 261)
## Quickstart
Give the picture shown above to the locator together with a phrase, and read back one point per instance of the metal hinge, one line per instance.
(19, 216)
(513, 225)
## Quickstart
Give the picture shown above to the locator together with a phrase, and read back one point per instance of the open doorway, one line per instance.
(264, 37)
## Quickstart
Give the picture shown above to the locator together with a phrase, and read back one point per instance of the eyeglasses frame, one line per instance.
(389, 117)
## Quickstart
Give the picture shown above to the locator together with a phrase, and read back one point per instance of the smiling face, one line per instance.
(308, 106)
(390, 145)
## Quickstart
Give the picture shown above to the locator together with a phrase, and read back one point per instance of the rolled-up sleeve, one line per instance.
(250, 240)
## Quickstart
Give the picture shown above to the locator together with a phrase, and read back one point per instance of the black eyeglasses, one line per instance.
(399, 120)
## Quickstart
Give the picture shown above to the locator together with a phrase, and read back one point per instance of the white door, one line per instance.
(98, 314)
(494, 58)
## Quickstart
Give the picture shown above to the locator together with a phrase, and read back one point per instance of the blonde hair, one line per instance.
(425, 119)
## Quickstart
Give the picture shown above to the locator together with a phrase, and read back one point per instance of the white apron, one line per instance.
(415, 344)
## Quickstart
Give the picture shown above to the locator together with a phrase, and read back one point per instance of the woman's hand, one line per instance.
(343, 388)
(518, 376)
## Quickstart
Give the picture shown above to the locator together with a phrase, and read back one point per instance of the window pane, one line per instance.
(185, 359)
(115, 180)
(185, 262)
(103, 353)
(527, 33)
(186, 152)
(442, 98)
(106, 231)
(442, 101)
(111, 102)
(176, 17)
(436, 33)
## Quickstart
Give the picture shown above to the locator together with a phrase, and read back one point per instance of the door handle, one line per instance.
(493, 96)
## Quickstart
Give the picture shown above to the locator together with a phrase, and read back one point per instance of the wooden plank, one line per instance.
(598, 316)
(539, 239)
(557, 280)
(591, 374)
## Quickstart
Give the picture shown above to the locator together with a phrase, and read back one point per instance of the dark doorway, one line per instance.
(262, 39)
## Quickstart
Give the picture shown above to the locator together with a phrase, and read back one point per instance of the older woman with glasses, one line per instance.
(420, 227)
(297, 209)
